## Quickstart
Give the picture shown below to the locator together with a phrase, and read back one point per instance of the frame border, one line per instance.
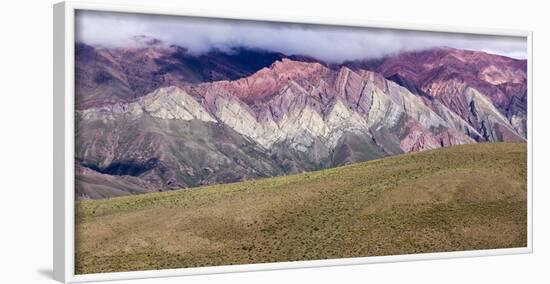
(63, 102)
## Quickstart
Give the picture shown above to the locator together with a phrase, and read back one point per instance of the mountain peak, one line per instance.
(286, 64)
(219, 117)
(287, 69)
(268, 80)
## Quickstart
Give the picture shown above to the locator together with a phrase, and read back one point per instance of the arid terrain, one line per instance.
(154, 117)
(456, 198)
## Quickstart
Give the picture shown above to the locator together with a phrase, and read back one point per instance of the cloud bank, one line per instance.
(329, 43)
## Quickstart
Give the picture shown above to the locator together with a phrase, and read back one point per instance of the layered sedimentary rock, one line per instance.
(290, 116)
(450, 75)
(105, 74)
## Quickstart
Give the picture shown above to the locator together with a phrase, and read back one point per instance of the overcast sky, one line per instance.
(329, 43)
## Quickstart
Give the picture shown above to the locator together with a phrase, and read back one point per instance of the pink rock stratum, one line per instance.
(153, 117)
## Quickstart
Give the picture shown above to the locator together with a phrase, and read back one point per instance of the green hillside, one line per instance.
(459, 198)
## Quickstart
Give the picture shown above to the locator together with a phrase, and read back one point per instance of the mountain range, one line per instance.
(154, 117)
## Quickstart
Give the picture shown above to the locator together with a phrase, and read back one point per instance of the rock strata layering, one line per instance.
(287, 117)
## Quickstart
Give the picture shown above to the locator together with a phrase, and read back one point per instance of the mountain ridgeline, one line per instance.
(152, 117)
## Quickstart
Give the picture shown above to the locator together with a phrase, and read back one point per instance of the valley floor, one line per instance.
(459, 198)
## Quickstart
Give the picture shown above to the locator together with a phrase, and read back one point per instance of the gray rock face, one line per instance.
(288, 118)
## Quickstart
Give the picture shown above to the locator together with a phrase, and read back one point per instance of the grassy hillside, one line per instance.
(460, 198)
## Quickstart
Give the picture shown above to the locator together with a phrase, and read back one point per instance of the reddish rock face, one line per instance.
(107, 75)
(418, 138)
(286, 85)
(269, 81)
(444, 74)
(446, 71)
(254, 114)
(451, 137)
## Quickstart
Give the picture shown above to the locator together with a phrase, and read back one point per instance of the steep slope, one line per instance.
(119, 74)
(308, 99)
(108, 75)
(460, 198)
(289, 117)
(162, 141)
(449, 75)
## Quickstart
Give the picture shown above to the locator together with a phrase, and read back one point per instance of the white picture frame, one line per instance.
(64, 110)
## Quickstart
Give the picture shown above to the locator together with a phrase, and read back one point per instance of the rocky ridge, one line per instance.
(290, 117)
(287, 117)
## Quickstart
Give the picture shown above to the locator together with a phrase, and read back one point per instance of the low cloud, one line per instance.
(329, 43)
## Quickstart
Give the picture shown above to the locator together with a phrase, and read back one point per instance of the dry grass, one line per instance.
(460, 198)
